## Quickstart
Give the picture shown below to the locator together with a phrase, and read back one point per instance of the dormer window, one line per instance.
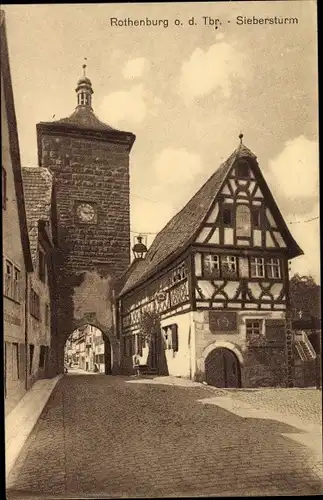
(242, 170)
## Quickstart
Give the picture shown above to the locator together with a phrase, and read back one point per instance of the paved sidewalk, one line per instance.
(20, 422)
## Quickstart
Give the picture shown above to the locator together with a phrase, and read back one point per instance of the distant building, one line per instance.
(208, 301)
(85, 348)
(42, 230)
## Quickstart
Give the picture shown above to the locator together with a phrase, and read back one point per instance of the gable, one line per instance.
(244, 213)
(200, 221)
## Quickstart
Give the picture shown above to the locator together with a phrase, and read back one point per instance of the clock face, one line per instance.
(85, 212)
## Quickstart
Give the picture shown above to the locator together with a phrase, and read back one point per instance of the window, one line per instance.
(229, 265)
(12, 281)
(227, 216)
(257, 267)
(254, 328)
(41, 266)
(243, 223)
(4, 188)
(8, 279)
(242, 169)
(34, 304)
(256, 218)
(31, 357)
(15, 361)
(179, 273)
(16, 285)
(211, 264)
(47, 315)
(273, 268)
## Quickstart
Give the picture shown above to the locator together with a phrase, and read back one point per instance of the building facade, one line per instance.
(89, 161)
(17, 262)
(42, 230)
(208, 301)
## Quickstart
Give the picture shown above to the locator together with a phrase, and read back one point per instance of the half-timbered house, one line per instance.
(214, 286)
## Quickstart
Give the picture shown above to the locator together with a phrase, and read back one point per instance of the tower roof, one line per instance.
(83, 117)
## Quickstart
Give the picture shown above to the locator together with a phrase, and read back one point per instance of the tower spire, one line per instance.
(84, 90)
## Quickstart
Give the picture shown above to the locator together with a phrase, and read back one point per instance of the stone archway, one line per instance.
(222, 365)
(111, 344)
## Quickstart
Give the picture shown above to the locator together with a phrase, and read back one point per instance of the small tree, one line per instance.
(148, 325)
(305, 295)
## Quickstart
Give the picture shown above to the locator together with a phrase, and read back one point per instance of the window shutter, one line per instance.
(139, 344)
(275, 330)
(174, 337)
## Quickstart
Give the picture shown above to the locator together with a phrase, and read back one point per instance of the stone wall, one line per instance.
(263, 366)
(90, 256)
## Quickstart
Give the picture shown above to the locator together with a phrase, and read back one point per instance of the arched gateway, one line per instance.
(222, 368)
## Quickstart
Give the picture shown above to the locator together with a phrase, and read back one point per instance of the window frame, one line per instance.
(12, 281)
(272, 266)
(255, 265)
(253, 336)
(231, 260)
(208, 260)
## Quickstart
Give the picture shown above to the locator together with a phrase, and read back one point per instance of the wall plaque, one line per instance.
(222, 321)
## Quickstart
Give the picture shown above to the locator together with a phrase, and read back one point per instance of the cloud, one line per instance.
(125, 106)
(134, 68)
(214, 69)
(177, 166)
(295, 171)
(307, 236)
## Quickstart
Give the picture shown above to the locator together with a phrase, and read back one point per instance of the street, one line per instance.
(113, 437)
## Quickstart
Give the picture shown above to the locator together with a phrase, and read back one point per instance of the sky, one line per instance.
(186, 91)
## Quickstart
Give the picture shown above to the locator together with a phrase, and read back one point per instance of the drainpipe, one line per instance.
(26, 330)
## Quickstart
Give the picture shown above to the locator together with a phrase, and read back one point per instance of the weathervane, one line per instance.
(84, 66)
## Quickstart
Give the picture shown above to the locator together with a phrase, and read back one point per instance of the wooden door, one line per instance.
(222, 369)
(214, 368)
(231, 369)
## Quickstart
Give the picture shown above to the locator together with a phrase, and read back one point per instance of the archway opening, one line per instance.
(88, 350)
(222, 368)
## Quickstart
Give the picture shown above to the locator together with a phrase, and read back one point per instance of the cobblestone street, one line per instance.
(104, 436)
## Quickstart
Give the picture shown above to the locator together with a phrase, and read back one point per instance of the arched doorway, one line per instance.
(88, 350)
(222, 368)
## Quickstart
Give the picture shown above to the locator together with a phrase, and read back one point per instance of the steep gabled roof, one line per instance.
(181, 230)
(14, 141)
(38, 188)
(175, 236)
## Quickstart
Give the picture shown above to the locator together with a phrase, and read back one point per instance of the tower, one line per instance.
(90, 164)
